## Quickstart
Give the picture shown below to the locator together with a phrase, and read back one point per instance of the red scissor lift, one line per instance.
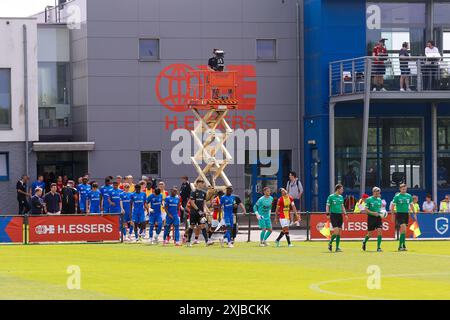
(214, 95)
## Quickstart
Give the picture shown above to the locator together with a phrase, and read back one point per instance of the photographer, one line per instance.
(217, 62)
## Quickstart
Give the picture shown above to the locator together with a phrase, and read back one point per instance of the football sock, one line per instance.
(338, 240)
(261, 236)
(205, 235)
(332, 238)
(177, 233)
(288, 237)
(228, 235)
(402, 240)
(166, 232)
(189, 236)
(280, 236)
(366, 239)
(268, 233)
(379, 242)
(151, 230)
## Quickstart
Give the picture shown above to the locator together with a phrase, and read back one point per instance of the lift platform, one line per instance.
(215, 95)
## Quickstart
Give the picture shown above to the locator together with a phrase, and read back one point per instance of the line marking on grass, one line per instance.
(391, 252)
(317, 286)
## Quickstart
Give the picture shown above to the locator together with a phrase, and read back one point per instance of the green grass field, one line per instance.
(307, 271)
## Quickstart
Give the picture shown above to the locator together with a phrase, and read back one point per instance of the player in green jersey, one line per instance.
(373, 209)
(262, 209)
(335, 209)
(402, 205)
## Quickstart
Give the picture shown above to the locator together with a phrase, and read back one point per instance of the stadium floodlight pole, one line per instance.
(365, 134)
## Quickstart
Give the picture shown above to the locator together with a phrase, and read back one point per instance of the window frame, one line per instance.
(158, 58)
(378, 155)
(9, 125)
(5, 178)
(275, 58)
(159, 154)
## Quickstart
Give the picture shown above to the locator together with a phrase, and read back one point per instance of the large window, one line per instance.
(395, 152)
(148, 49)
(266, 49)
(400, 21)
(54, 95)
(151, 163)
(4, 167)
(5, 98)
(443, 153)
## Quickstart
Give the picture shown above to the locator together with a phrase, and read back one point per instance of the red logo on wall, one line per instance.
(172, 86)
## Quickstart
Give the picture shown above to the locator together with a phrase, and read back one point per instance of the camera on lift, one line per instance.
(218, 62)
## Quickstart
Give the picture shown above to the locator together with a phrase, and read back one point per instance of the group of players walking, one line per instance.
(205, 211)
(211, 211)
(376, 210)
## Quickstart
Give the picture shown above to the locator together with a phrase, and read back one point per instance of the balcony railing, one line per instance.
(355, 76)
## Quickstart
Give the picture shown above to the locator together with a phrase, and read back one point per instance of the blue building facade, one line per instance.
(401, 126)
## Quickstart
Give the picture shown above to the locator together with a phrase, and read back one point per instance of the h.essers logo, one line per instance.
(73, 229)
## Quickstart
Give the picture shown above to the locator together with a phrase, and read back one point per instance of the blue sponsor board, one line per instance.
(434, 226)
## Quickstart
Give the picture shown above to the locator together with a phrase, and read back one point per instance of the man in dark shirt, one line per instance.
(217, 63)
(37, 205)
(69, 199)
(52, 200)
(185, 193)
(22, 195)
(198, 210)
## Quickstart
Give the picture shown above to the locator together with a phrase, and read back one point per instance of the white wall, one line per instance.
(11, 39)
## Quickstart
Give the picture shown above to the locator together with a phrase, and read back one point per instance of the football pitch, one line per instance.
(306, 271)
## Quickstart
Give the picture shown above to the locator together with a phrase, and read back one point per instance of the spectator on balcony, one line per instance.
(428, 205)
(405, 71)
(445, 204)
(431, 68)
(379, 53)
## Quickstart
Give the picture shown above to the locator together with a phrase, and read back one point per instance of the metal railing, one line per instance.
(390, 73)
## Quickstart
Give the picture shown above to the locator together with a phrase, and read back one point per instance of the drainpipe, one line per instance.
(434, 150)
(25, 98)
(300, 97)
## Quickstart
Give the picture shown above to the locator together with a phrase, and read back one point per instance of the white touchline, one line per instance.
(316, 286)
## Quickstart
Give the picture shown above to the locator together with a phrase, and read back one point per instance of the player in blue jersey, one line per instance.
(105, 191)
(154, 202)
(126, 208)
(172, 206)
(115, 205)
(83, 190)
(227, 203)
(138, 206)
(93, 200)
